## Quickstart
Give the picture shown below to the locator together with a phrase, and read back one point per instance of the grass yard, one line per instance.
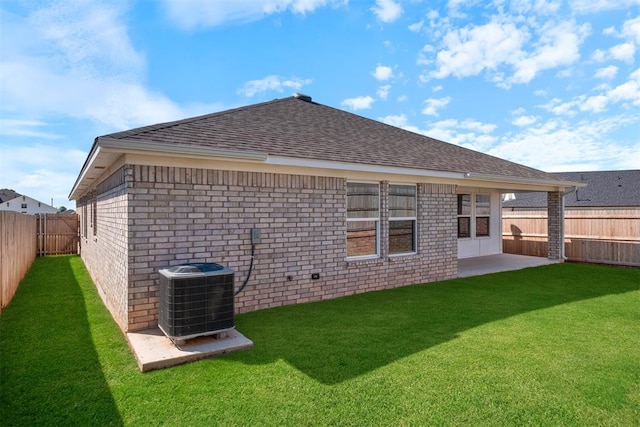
(554, 345)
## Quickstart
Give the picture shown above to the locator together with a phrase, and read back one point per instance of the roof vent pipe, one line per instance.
(302, 96)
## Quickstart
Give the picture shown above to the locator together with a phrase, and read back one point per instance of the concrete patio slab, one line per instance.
(153, 350)
(477, 266)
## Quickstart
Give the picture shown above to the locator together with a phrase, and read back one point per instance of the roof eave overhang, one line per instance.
(106, 150)
(507, 181)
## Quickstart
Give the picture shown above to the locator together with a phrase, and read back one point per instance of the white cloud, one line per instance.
(556, 106)
(501, 43)
(205, 13)
(595, 104)
(399, 120)
(524, 121)
(70, 62)
(26, 128)
(416, 27)
(383, 91)
(478, 126)
(540, 7)
(468, 133)
(433, 105)
(623, 52)
(558, 45)
(631, 30)
(74, 55)
(625, 93)
(47, 176)
(469, 50)
(382, 73)
(358, 103)
(272, 83)
(387, 10)
(594, 6)
(599, 55)
(556, 145)
(607, 73)
(628, 91)
(551, 145)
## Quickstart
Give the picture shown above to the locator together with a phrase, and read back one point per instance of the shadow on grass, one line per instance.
(49, 367)
(334, 341)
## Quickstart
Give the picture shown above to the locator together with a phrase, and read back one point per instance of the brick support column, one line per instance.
(555, 225)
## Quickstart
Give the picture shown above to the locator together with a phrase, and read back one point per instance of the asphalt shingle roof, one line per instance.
(604, 189)
(7, 194)
(297, 128)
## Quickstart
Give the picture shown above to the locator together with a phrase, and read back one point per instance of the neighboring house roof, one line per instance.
(297, 128)
(7, 195)
(603, 189)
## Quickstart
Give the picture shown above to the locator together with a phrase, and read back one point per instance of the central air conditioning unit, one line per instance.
(196, 299)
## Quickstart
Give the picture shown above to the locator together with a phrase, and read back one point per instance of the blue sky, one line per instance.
(550, 84)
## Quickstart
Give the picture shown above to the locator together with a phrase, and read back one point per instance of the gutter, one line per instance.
(521, 180)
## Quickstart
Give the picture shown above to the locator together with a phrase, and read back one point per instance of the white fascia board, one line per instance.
(84, 172)
(357, 167)
(132, 146)
(521, 180)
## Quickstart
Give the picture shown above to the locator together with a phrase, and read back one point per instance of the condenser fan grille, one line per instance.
(196, 302)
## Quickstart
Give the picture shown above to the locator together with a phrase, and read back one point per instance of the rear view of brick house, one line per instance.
(343, 205)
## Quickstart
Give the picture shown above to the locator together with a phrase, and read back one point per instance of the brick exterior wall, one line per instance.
(104, 242)
(555, 225)
(170, 216)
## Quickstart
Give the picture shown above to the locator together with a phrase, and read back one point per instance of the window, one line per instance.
(464, 215)
(84, 219)
(478, 215)
(402, 219)
(94, 213)
(363, 219)
(483, 214)
(23, 206)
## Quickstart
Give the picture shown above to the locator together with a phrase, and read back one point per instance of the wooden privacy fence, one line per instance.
(607, 236)
(58, 234)
(17, 251)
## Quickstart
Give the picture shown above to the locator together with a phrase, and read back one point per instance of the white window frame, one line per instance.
(473, 215)
(369, 219)
(476, 216)
(412, 218)
(469, 215)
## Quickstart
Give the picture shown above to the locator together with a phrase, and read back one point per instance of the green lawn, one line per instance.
(555, 345)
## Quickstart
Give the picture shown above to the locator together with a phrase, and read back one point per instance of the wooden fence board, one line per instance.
(608, 236)
(58, 234)
(17, 251)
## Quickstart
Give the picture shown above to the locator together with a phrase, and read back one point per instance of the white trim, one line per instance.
(520, 180)
(377, 221)
(414, 219)
(106, 150)
(358, 167)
